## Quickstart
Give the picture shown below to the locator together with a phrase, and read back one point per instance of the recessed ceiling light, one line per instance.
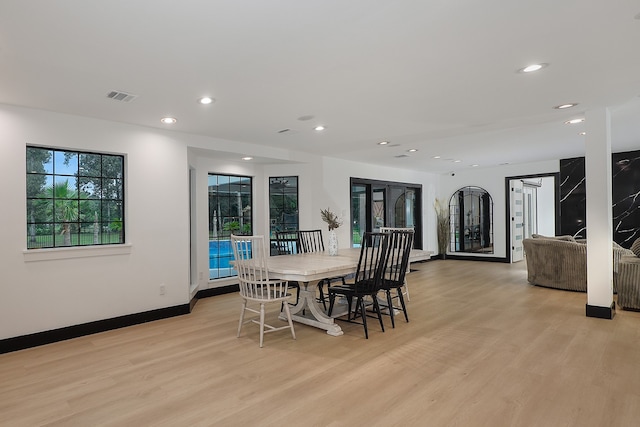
(247, 158)
(574, 121)
(412, 150)
(436, 157)
(383, 143)
(457, 161)
(319, 128)
(168, 120)
(206, 100)
(563, 106)
(582, 133)
(474, 166)
(532, 68)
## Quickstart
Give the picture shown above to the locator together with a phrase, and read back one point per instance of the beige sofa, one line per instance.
(561, 262)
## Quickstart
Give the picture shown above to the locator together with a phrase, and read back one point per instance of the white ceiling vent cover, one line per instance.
(117, 95)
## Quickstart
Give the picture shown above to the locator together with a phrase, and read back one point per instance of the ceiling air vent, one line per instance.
(400, 156)
(121, 96)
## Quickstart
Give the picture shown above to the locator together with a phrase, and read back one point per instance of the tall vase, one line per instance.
(333, 243)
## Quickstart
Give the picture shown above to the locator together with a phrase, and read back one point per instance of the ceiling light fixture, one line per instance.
(436, 157)
(206, 100)
(319, 128)
(457, 161)
(412, 150)
(582, 133)
(474, 166)
(574, 121)
(247, 158)
(564, 106)
(533, 67)
(168, 120)
(383, 143)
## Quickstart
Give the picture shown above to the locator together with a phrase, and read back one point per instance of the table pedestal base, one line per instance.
(308, 312)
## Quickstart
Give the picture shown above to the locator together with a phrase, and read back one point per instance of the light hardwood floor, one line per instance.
(483, 348)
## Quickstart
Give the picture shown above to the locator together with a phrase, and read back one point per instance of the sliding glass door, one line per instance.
(376, 204)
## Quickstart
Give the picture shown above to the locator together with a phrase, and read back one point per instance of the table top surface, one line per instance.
(319, 265)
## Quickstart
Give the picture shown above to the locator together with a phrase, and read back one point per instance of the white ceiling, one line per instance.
(435, 75)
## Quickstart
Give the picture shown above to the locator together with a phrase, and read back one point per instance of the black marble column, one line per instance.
(573, 197)
(625, 197)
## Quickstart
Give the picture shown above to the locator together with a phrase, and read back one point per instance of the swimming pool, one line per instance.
(220, 256)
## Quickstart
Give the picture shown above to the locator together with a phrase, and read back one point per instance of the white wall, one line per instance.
(546, 207)
(493, 180)
(90, 284)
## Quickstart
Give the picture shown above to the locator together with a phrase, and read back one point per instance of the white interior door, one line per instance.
(516, 203)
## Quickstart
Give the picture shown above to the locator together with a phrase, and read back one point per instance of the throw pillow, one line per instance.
(635, 247)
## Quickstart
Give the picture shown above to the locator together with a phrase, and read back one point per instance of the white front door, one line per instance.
(516, 210)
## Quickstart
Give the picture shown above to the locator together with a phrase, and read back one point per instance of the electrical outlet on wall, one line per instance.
(163, 289)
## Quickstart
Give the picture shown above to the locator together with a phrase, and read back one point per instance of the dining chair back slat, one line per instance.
(395, 269)
(371, 262)
(287, 242)
(310, 241)
(412, 230)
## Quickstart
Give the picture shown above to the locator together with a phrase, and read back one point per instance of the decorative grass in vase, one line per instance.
(443, 226)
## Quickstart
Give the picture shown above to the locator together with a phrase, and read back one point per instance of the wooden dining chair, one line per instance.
(368, 280)
(397, 262)
(310, 241)
(255, 286)
(388, 229)
(288, 243)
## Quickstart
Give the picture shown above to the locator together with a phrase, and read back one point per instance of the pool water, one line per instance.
(220, 256)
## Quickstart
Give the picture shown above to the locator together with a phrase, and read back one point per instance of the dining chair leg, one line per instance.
(244, 306)
(406, 290)
(297, 293)
(360, 303)
(350, 307)
(404, 307)
(332, 299)
(322, 298)
(288, 313)
(376, 307)
(261, 324)
(390, 308)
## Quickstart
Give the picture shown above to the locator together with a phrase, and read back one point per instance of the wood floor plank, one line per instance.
(482, 348)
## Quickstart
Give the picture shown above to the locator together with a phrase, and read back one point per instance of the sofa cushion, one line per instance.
(635, 247)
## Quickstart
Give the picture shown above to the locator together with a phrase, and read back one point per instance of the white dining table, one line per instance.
(308, 269)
